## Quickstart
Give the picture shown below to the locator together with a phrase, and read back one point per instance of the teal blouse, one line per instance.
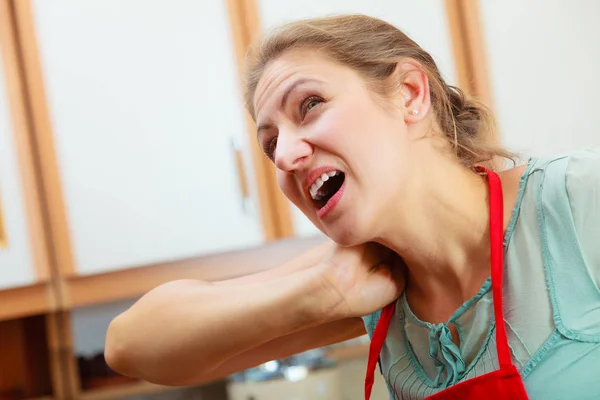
(551, 297)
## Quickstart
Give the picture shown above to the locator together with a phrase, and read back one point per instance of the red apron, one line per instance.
(505, 383)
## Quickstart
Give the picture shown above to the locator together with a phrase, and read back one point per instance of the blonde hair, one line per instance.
(373, 48)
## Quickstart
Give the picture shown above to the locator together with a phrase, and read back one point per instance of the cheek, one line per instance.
(288, 186)
(334, 129)
(360, 121)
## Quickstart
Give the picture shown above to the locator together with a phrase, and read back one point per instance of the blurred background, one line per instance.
(127, 160)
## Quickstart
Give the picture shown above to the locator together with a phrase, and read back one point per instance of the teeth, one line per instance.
(314, 188)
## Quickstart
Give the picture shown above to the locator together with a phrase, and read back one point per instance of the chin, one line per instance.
(346, 236)
(348, 229)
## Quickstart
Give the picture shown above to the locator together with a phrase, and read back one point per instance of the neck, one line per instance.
(442, 234)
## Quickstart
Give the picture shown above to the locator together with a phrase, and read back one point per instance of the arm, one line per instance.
(307, 339)
(308, 259)
(186, 332)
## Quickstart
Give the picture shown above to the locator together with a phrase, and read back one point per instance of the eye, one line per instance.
(308, 104)
(269, 147)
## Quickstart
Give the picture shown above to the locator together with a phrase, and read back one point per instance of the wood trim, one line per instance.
(42, 139)
(124, 391)
(466, 32)
(477, 53)
(24, 149)
(55, 354)
(459, 46)
(4, 29)
(26, 301)
(65, 375)
(469, 49)
(43, 163)
(136, 389)
(3, 239)
(274, 207)
(134, 282)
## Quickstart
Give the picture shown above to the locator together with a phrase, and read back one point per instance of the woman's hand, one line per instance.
(363, 278)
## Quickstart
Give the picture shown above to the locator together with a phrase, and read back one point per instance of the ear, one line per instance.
(414, 91)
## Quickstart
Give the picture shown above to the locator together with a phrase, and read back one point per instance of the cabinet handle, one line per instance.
(241, 172)
(3, 239)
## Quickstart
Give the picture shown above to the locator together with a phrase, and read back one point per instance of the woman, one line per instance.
(380, 153)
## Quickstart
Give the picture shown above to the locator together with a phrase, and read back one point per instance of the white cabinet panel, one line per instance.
(424, 21)
(144, 100)
(16, 261)
(544, 60)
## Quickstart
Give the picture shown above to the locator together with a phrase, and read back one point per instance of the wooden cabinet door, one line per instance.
(425, 22)
(16, 260)
(148, 123)
(24, 257)
(543, 59)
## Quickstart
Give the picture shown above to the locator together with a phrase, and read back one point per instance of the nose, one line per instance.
(292, 151)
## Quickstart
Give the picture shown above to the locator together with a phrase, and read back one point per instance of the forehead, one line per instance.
(294, 65)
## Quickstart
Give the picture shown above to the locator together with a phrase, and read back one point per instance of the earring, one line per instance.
(414, 112)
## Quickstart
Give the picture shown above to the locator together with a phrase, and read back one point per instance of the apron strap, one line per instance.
(377, 344)
(496, 210)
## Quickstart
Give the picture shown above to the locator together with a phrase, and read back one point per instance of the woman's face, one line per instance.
(342, 153)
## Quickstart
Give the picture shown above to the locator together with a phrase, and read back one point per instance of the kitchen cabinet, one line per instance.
(148, 128)
(24, 266)
(17, 266)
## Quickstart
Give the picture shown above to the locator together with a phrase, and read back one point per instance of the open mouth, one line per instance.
(325, 187)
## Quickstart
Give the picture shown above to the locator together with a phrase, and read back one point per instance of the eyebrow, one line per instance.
(293, 87)
(285, 97)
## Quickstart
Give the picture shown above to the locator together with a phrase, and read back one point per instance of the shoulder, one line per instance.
(568, 190)
(581, 170)
(582, 176)
(566, 185)
(582, 183)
